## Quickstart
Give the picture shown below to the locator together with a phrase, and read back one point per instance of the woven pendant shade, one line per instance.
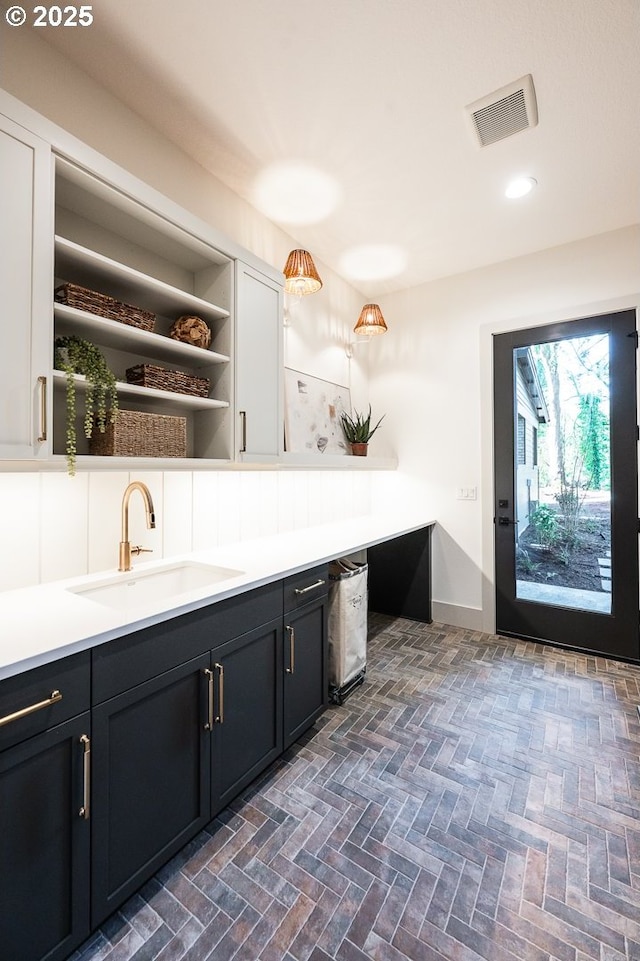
(301, 276)
(370, 321)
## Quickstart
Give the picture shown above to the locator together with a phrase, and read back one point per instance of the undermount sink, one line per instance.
(132, 589)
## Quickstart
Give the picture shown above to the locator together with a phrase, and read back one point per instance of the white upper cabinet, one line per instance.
(259, 366)
(25, 281)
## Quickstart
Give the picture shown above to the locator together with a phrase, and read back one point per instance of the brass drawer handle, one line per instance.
(53, 698)
(292, 650)
(220, 715)
(86, 777)
(311, 587)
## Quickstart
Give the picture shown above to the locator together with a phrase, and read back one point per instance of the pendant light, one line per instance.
(370, 321)
(301, 276)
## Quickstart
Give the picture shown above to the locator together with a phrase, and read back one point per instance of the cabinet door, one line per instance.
(26, 285)
(247, 710)
(305, 668)
(151, 780)
(44, 845)
(259, 365)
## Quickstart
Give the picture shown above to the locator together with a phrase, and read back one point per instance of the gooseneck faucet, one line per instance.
(126, 550)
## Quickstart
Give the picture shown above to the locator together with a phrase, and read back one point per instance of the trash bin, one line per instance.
(347, 627)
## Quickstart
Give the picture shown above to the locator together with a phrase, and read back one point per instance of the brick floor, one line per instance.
(476, 798)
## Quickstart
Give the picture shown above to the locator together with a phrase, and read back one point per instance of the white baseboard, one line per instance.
(458, 616)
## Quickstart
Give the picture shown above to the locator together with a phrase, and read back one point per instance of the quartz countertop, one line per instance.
(43, 623)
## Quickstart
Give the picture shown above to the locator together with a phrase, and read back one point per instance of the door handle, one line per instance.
(208, 726)
(219, 718)
(506, 521)
(42, 436)
(86, 777)
(292, 650)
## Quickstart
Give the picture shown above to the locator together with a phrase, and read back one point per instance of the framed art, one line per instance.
(312, 414)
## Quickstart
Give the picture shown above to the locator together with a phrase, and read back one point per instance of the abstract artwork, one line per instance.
(313, 408)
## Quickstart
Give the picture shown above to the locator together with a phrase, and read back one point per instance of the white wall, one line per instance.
(54, 526)
(432, 376)
(61, 527)
(38, 75)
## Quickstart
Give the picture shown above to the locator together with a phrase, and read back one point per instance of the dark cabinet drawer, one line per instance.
(43, 697)
(135, 658)
(300, 589)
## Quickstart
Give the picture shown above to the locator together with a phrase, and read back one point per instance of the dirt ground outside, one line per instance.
(563, 565)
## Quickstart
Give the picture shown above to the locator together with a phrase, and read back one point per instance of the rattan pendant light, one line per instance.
(370, 321)
(301, 276)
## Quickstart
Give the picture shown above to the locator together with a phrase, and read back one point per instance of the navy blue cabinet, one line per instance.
(45, 730)
(305, 675)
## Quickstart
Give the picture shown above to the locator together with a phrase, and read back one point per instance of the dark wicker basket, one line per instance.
(137, 434)
(104, 306)
(150, 375)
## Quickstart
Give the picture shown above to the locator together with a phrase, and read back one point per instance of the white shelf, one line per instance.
(112, 333)
(337, 462)
(91, 269)
(186, 401)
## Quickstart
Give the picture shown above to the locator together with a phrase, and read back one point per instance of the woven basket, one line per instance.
(136, 434)
(150, 375)
(95, 303)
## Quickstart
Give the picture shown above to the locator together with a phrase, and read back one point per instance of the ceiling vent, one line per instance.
(505, 112)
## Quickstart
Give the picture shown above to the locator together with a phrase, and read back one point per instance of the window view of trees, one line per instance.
(569, 532)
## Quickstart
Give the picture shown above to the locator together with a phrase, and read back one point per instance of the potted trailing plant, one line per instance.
(73, 355)
(358, 430)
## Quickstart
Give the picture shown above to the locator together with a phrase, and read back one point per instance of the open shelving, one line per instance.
(110, 243)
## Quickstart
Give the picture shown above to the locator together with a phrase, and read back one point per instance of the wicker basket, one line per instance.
(95, 303)
(150, 375)
(136, 434)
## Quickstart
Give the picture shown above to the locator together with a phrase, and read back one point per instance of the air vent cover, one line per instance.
(505, 112)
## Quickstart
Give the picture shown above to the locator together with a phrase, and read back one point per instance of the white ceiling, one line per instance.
(372, 93)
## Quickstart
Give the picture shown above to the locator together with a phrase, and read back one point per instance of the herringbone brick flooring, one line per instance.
(477, 798)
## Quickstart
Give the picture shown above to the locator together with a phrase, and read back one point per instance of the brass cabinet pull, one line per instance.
(220, 715)
(86, 777)
(292, 650)
(53, 698)
(209, 723)
(311, 587)
(243, 442)
(43, 409)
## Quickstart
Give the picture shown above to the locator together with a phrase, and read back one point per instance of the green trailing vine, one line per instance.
(76, 356)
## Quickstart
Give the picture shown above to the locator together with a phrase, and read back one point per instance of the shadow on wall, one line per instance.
(458, 583)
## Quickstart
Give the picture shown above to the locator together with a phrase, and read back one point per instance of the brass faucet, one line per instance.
(126, 550)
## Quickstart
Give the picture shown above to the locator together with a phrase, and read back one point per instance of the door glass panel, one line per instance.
(562, 473)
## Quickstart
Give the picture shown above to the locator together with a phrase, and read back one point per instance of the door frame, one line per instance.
(486, 619)
(616, 634)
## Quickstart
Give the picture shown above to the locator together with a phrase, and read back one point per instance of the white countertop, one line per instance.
(43, 623)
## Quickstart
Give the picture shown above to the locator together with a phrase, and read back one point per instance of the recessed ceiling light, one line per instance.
(373, 262)
(520, 187)
(296, 193)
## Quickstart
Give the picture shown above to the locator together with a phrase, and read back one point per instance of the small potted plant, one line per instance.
(73, 355)
(358, 431)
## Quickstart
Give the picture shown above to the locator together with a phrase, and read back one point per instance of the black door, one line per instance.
(566, 484)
